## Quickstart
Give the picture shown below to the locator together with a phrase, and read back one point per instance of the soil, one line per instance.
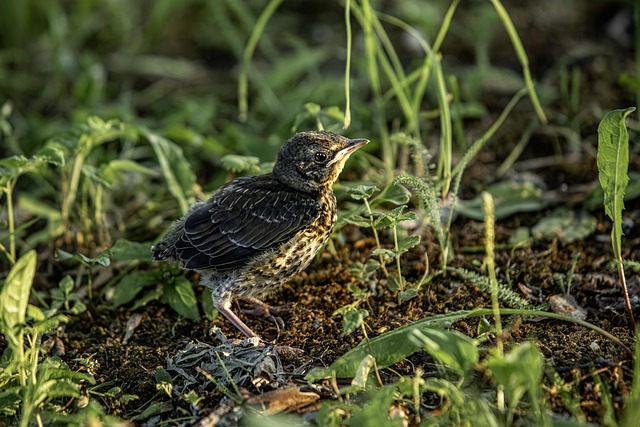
(569, 349)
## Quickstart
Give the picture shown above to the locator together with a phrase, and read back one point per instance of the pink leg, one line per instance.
(223, 306)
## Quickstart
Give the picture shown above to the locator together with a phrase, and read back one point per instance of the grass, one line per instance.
(127, 110)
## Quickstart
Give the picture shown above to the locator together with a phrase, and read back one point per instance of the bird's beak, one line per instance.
(352, 146)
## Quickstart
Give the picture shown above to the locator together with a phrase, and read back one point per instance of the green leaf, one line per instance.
(407, 243)
(180, 296)
(239, 164)
(375, 412)
(519, 371)
(613, 164)
(113, 171)
(66, 284)
(566, 225)
(394, 194)
(388, 348)
(509, 198)
(125, 250)
(175, 168)
(408, 294)
(51, 155)
(102, 258)
(155, 294)
(131, 284)
(395, 282)
(386, 253)
(14, 296)
(207, 305)
(362, 191)
(451, 348)
(352, 319)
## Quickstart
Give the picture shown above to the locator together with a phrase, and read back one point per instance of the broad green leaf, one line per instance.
(180, 296)
(175, 168)
(14, 296)
(131, 284)
(594, 201)
(518, 372)
(613, 164)
(509, 198)
(451, 348)
(155, 294)
(388, 348)
(394, 194)
(125, 250)
(566, 225)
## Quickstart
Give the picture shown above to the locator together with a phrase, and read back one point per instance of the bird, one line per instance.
(257, 232)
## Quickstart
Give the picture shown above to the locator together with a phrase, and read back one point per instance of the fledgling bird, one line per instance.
(257, 232)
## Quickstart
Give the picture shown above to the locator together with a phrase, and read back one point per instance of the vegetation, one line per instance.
(470, 280)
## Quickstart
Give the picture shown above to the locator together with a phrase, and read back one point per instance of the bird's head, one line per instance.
(312, 160)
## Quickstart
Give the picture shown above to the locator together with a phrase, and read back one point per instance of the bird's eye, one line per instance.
(320, 157)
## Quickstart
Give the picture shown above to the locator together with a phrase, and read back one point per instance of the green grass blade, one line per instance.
(243, 78)
(14, 296)
(522, 57)
(613, 163)
(175, 168)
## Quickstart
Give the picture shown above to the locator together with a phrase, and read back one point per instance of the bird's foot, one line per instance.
(261, 309)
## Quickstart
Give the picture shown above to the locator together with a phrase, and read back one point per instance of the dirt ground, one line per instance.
(569, 349)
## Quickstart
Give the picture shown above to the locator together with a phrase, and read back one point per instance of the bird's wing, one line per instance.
(240, 221)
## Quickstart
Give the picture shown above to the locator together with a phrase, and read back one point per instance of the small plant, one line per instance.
(31, 381)
(613, 164)
(390, 220)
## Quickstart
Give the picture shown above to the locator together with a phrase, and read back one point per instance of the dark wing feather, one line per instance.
(243, 219)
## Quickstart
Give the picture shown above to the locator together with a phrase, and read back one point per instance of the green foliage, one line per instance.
(613, 164)
(510, 198)
(387, 348)
(379, 221)
(239, 164)
(520, 372)
(566, 225)
(30, 382)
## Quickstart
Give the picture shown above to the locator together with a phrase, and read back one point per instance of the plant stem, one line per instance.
(489, 242)
(254, 38)
(395, 246)
(625, 290)
(8, 190)
(347, 68)
(375, 235)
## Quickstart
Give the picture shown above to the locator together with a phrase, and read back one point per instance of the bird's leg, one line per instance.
(223, 306)
(261, 309)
